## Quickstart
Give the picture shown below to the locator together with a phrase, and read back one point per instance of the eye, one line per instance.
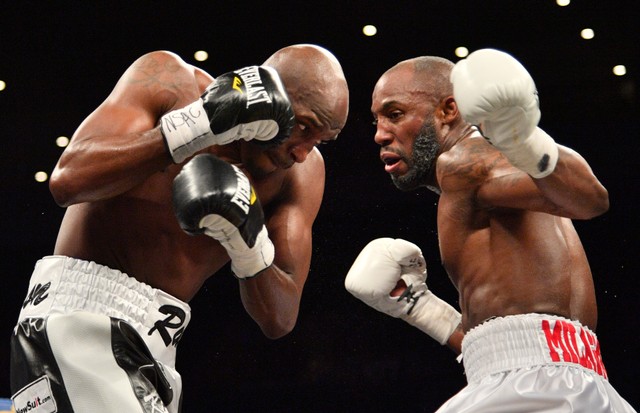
(375, 122)
(395, 115)
(303, 127)
(305, 130)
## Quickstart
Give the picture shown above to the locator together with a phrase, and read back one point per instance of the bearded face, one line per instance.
(420, 166)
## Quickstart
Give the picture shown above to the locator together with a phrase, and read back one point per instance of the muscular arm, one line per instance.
(571, 191)
(118, 146)
(573, 188)
(273, 297)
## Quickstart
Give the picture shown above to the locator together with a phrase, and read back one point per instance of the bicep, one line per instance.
(572, 190)
(511, 188)
(114, 118)
(486, 177)
(290, 233)
(290, 223)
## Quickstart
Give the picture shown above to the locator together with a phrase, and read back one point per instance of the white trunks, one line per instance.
(534, 362)
(76, 325)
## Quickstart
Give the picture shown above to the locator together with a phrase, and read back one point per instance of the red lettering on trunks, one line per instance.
(567, 344)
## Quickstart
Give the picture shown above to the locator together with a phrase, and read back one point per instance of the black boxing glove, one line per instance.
(249, 103)
(212, 196)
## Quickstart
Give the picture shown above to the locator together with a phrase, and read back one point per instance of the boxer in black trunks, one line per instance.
(132, 248)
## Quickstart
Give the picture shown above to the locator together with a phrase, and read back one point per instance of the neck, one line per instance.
(457, 134)
(464, 133)
(452, 138)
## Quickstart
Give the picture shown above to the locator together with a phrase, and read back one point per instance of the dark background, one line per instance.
(61, 59)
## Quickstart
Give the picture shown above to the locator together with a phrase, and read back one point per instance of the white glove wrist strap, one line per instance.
(245, 262)
(248, 263)
(432, 315)
(536, 155)
(187, 131)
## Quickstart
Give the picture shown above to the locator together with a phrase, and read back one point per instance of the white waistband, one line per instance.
(60, 285)
(527, 340)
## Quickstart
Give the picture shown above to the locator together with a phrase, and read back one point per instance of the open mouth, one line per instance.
(391, 161)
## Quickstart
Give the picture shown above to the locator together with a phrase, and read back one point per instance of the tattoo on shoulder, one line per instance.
(150, 70)
(471, 164)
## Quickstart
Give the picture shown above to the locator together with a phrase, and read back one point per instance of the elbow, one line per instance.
(602, 204)
(276, 329)
(60, 188)
(597, 205)
(66, 188)
(276, 334)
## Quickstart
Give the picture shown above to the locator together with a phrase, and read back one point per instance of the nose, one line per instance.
(382, 137)
(300, 152)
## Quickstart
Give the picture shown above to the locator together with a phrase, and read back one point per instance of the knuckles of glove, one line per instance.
(491, 86)
(407, 255)
(254, 96)
(383, 270)
(213, 194)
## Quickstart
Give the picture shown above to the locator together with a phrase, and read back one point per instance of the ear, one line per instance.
(449, 110)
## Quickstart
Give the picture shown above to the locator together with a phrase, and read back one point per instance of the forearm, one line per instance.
(573, 188)
(272, 299)
(455, 340)
(97, 168)
(494, 90)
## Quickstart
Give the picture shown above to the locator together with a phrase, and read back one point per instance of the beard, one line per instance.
(421, 164)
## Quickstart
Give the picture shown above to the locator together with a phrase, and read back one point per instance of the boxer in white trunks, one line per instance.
(507, 196)
(164, 184)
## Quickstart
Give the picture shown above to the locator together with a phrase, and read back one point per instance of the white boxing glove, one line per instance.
(494, 90)
(377, 270)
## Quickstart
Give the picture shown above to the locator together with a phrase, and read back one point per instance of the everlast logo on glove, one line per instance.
(253, 83)
(244, 196)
